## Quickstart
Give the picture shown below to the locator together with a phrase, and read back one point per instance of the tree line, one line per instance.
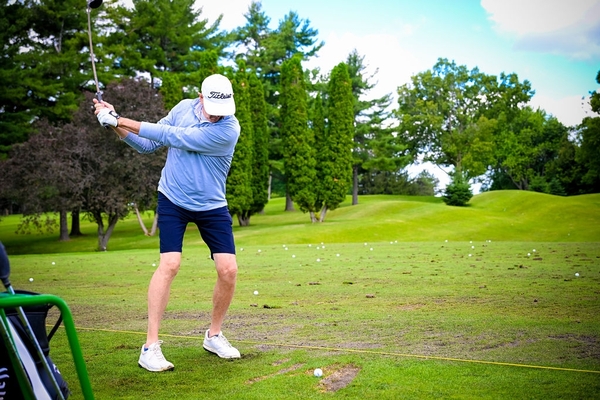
(310, 135)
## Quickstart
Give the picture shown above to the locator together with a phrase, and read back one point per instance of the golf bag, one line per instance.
(37, 374)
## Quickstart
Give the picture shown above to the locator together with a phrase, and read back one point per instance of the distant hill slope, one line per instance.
(499, 215)
(496, 216)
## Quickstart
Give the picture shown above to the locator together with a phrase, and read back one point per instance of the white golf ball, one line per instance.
(318, 259)
(154, 264)
(259, 250)
(30, 279)
(293, 256)
(255, 292)
(318, 372)
(576, 274)
(53, 263)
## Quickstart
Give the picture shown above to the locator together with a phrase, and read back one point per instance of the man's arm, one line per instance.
(126, 125)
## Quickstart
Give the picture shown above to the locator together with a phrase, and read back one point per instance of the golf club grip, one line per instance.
(94, 3)
(99, 96)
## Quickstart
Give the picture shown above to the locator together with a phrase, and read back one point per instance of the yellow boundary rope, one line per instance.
(384, 353)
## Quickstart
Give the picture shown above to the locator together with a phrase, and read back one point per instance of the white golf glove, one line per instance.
(108, 117)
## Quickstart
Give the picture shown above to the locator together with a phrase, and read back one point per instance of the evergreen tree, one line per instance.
(239, 180)
(265, 50)
(321, 167)
(260, 170)
(337, 164)
(297, 138)
(161, 36)
(171, 90)
(372, 129)
(44, 66)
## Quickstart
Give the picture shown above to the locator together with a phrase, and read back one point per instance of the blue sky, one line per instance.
(555, 44)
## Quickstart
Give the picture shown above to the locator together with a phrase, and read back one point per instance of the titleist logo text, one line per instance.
(219, 95)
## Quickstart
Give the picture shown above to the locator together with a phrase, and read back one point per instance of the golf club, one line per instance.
(5, 278)
(93, 4)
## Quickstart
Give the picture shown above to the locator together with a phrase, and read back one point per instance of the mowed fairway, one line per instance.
(397, 297)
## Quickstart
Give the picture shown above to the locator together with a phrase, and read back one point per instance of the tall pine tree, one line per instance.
(338, 142)
(260, 164)
(297, 138)
(239, 188)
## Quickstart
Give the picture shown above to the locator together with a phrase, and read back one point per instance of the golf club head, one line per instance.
(94, 3)
(4, 267)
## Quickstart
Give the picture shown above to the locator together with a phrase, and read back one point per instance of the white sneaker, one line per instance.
(220, 346)
(153, 360)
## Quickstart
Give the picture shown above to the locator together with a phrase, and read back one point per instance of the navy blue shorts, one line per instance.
(215, 227)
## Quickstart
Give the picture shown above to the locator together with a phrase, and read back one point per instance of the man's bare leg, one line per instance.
(158, 292)
(226, 266)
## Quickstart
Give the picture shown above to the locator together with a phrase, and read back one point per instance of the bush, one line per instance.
(458, 192)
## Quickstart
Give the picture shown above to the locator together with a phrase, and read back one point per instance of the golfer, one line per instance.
(201, 135)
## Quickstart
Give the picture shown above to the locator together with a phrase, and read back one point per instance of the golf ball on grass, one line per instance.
(318, 372)
(31, 279)
(576, 274)
(256, 292)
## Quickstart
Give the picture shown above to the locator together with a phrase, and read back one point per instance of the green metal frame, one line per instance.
(24, 300)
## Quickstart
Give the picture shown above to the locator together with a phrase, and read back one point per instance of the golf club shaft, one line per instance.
(98, 92)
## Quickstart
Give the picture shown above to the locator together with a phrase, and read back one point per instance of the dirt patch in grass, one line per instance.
(337, 377)
(280, 372)
(587, 346)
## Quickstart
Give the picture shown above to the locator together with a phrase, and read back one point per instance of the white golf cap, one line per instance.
(218, 95)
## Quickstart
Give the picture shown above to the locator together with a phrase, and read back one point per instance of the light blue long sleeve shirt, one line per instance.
(199, 155)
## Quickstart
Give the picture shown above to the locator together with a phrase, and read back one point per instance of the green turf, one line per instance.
(488, 307)
(499, 215)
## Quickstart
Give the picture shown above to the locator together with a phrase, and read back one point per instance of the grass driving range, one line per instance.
(395, 298)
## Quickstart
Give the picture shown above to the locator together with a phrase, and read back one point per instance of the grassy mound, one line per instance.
(500, 215)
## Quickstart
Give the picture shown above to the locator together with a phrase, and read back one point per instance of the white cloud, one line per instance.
(564, 27)
(536, 16)
(233, 12)
(382, 52)
(570, 110)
